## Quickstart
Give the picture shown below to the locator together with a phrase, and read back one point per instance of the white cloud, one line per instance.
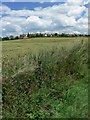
(76, 11)
(77, 2)
(4, 9)
(38, 21)
(11, 30)
(65, 17)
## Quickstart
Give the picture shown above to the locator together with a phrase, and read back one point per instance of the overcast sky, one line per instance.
(67, 16)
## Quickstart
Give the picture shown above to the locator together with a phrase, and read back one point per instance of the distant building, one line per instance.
(23, 36)
(45, 35)
(51, 35)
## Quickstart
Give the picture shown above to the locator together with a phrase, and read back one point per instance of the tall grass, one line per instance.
(52, 84)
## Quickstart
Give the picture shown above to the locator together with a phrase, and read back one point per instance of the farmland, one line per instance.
(45, 78)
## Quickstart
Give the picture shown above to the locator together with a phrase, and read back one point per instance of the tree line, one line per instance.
(29, 35)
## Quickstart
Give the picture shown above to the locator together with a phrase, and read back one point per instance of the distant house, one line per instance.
(45, 35)
(51, 35)
(23, 36)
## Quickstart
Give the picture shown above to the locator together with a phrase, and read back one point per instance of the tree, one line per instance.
(11, 37)
(5, 38)
(63, 35)
(56, 34)
(28, 35)
(16, 37)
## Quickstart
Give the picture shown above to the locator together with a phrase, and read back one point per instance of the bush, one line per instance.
(47, 80)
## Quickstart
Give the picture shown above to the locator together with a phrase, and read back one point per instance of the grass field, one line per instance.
(45, 78)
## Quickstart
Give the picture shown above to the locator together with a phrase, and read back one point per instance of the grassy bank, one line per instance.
(52, 83)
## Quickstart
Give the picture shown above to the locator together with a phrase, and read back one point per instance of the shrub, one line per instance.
(45, 84)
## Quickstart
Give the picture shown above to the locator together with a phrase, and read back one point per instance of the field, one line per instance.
(45, 78)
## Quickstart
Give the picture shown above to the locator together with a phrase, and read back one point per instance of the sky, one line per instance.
(68, 16)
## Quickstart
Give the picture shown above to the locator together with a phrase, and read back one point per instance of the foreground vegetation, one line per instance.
(45, 83)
